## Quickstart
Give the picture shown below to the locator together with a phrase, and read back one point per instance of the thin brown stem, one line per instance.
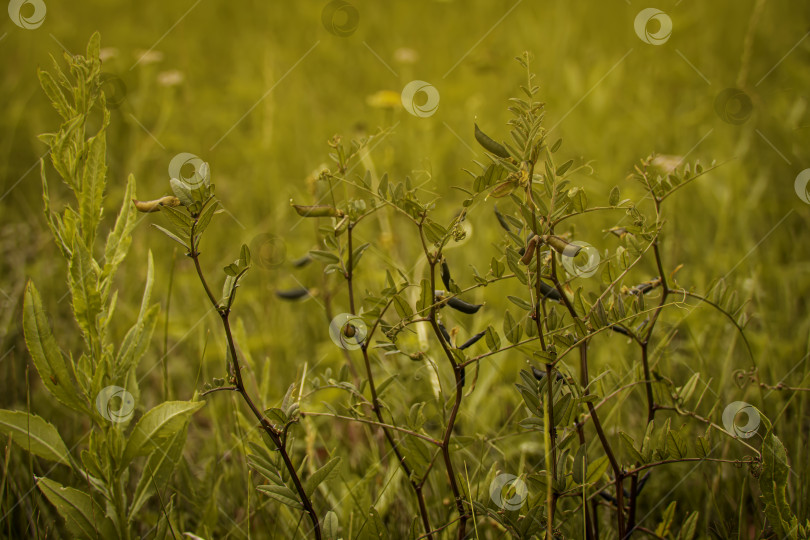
(265, 424)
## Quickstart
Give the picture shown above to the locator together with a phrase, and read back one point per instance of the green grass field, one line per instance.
(257, 90)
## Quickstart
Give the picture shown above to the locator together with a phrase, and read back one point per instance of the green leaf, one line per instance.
(33, 433)
(326, 257)
(55, 371)
(205, 217)
(521, 303)
(172, 236)
(282, 494)
(357, 253)
(55, 94)
(92, 186)
(597, 469)
(137, 339)
(321, 475)
(662, 530)
(689, 527)
(159, 467)
(425, 295)
(580, 465)
(511, 329)
(629, 445)
(403, 307)
(564, 167)
(331, 526)
(84, 517)
(493, 339)
(181, 221)
(702, 447)
(84, 288)
(120, 237)
(773, 483)
(614, 196)
(676, 445)
(374, 527)
(160, 423)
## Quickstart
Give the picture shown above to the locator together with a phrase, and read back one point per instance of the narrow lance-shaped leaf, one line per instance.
(84, 517)
(33, 433)
(55, 371)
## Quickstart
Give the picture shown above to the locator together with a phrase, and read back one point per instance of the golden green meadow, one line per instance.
(257, 90)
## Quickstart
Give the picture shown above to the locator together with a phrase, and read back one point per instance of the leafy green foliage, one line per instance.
(98, 506)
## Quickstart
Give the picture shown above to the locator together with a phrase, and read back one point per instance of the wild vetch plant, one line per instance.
(418, 341)
(591, 476)
(97, 383)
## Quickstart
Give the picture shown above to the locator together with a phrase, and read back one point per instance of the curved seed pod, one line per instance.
(522, 250)
(463, 376)
(446, 274)
(473, 340)
(462, 306)
(621, 330)
(501, 219)
(293, 294)
(550, 292)
(644, 288)
(316, 211)
(490, 144)
(303, 261)
(154, 206)
(642, 482)
(561, 246)
(445, 334)
(528, 251)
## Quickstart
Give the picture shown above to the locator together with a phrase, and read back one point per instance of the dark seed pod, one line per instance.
(639, 486)
(473, 340)
(303, 261)
(445, 334)
(445, 274)
(293, 294)
(641, 483)
(463, 376)
(490, 144)
(550, 292)
(462, 306)
(644, 288)
(608, 497)
(621, 330)
(502, 220)
(539, 374)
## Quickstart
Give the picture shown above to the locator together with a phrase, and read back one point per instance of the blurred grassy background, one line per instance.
(257, 88)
